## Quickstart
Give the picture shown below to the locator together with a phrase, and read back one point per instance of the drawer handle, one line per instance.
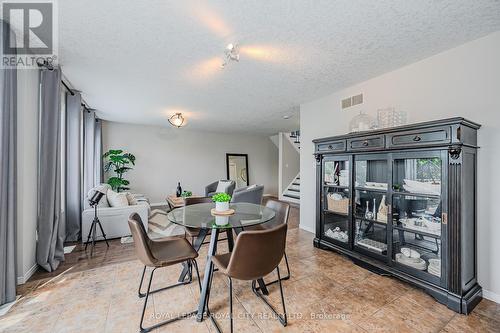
(365, 143)
(417, 138)
(330, 147)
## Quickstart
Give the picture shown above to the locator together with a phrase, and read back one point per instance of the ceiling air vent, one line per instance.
(346, 103)
(358, 99)
(351, 101)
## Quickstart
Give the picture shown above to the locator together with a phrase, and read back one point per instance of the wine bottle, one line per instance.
(178, 193)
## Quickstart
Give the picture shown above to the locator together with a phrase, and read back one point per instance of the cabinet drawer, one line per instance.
(367, 143)
(416, 138)
(334, 146)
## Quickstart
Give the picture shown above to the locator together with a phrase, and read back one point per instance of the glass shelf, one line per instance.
(417, 252)
(419, 214)
(336, 173)
(419, 176)
(336, 215)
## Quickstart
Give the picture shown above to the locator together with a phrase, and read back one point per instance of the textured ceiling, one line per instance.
(139, 61)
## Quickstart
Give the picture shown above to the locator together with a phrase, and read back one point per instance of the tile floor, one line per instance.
(327, 293)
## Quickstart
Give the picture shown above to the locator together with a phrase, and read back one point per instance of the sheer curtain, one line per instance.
(8, 204)
(92, 153)
(50, 221)
(73, 192)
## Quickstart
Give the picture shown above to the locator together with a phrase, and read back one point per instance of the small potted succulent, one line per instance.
(221, 201)
(186, 194)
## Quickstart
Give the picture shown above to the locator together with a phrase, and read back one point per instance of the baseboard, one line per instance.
(303, 227)
(23, 279)
(491, 296)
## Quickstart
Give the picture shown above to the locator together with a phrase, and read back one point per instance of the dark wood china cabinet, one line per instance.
(402, 201)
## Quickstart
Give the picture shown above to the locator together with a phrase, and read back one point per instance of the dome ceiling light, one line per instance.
(177, 120)
(231, 53)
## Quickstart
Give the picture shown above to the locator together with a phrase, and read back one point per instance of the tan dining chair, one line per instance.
(158, 253)
(282, 211)
(255, 255)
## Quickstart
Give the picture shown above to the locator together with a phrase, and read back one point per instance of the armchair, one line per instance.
(252, 194)
(211, 189)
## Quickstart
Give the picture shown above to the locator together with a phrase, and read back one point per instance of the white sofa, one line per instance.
(114, 220)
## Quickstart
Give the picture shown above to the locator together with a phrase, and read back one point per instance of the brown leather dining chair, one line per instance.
(160, 253)
(255, 255)
(282, 210)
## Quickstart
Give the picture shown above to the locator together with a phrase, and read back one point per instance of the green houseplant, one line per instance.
(221, 201)
(118, 161)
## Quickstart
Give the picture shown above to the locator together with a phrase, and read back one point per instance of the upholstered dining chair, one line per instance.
(255, 255)
(156, 254)
(282, 210)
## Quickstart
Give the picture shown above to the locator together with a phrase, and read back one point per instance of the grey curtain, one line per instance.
(8, 207)
(73, 165)
(89, 154)
(99, 171)
(50, 222)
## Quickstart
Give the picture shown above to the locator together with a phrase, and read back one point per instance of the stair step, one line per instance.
(291, 196)
(294, 189)
(294, 183)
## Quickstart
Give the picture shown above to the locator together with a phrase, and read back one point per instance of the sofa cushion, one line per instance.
(222, 186)
(117, 199)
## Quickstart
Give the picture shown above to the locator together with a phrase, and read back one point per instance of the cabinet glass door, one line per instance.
(336, 200)
(417, 212)
(371, 206)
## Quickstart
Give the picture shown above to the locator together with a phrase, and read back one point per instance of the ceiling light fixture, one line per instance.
(177, 120)
(231, 53)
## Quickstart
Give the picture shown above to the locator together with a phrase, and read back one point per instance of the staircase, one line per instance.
(292, 192)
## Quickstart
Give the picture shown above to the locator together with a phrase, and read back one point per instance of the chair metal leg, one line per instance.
(197, 273)
(149, 292)
(141, 295)
(281, 318)
(231, 301)
(284, 277)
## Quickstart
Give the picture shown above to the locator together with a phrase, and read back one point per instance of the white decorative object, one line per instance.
(389, 117)
(414, 186)
(337, 234)
(416, 263)
(362, 122)
(222, 206)
(372, 244)
(221, 220)
(410, 253)
(382, 211)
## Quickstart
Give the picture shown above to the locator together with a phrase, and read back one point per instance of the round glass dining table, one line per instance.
(199, 216)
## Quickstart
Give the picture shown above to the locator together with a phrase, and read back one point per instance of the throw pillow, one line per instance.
(117, 199)
(222, 186)
(132, 200)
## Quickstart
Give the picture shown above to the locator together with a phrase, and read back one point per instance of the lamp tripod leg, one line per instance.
(102, 231)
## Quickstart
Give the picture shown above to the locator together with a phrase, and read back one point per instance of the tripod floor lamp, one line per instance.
(95, 195)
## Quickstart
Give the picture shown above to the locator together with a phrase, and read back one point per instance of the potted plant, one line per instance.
(118, 161)
(221, 201)
(186, 194)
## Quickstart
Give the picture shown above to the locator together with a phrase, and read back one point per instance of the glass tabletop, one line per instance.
(199, 216)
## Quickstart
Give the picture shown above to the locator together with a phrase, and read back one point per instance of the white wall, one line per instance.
(464, 81)
(166, 155)
(27, 142)
(289, 161)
